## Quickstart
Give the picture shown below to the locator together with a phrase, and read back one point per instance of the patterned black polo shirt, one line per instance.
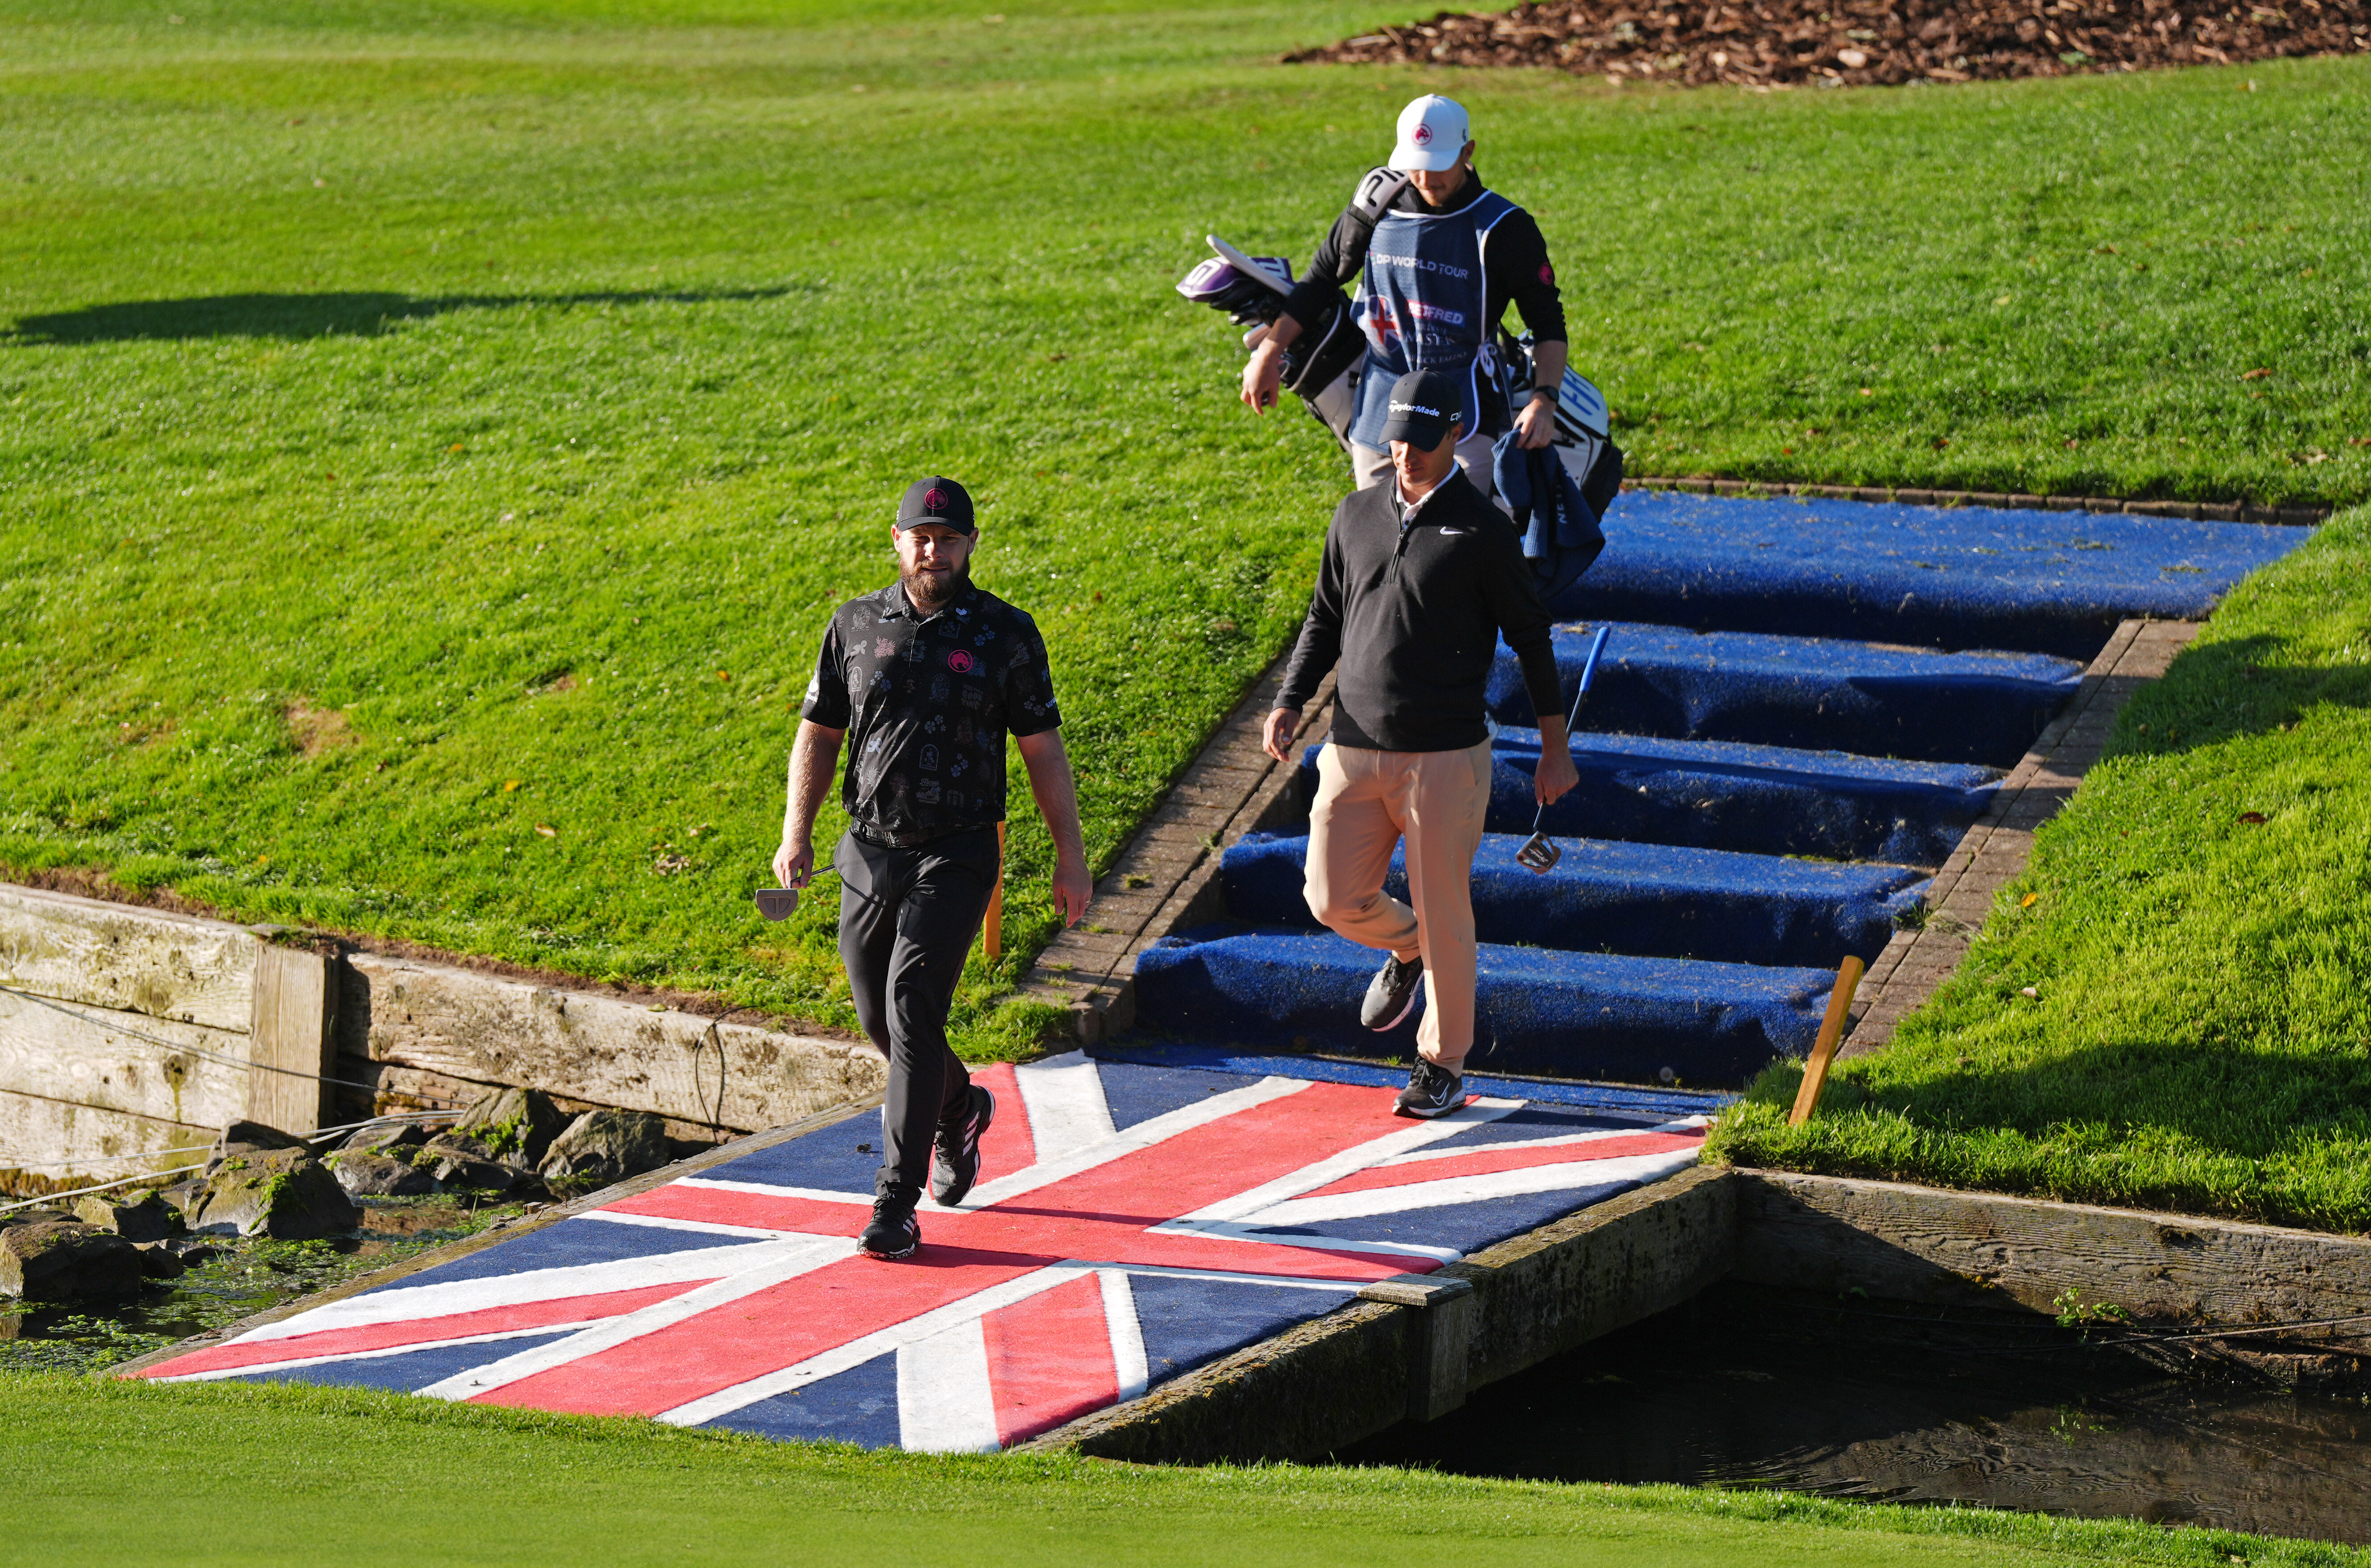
(927, 703)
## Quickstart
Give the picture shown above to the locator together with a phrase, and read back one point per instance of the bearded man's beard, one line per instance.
(931, 590)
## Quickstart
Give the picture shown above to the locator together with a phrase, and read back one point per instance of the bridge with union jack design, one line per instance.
(1132, 1222)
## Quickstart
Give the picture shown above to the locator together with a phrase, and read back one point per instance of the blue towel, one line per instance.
(1559, 528)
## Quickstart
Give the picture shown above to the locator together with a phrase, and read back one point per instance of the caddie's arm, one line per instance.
(1264, 372)
(1340, 256)
(814, 757)
(1537, 419)
(1058, 803)
(1521, 271)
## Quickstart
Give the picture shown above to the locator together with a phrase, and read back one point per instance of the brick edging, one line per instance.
(1166, 879)
(1996, 846)
(2192, 511)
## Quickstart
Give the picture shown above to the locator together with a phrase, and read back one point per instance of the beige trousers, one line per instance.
(1369, 801)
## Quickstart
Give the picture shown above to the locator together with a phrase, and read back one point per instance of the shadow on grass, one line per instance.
(2227, 1096)
(2215, 1127)
(2219, 690)
(360, 314)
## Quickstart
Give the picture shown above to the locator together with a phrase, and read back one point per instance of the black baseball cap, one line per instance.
(936, 500)
(1424, 403)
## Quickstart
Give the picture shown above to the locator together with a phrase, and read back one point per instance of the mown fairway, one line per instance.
(432, 436)
(119, 1473)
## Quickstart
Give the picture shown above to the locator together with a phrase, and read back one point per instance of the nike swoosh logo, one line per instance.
(1451, 533)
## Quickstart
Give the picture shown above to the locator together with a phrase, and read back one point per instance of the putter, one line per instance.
(776, 902)
(1540, 853)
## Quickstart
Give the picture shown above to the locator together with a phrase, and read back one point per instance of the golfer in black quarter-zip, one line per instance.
(1411, 602)
(1420, 578)
(925, 677)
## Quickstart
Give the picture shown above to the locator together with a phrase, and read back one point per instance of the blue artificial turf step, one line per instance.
(1647, 900)
(1725, 795)
(1985, 706)
(1941, 577)
(1562, 1014)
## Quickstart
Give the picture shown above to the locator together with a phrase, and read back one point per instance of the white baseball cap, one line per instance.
(1432, 133)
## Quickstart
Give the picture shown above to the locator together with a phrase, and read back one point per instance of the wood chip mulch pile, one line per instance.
(1776, 43)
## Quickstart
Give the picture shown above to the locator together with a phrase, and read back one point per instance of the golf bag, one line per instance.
(1251, 291)
(1320, 367)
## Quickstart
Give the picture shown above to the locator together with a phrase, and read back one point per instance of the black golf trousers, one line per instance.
(907, 920)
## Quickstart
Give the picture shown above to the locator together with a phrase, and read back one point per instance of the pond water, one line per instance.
(1753, 1388)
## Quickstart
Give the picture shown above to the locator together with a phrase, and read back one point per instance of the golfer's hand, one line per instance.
(1262, 374)
(1535, 426)
(1072, 888)
(793, 865)
(1276, 736)
(1557, 775)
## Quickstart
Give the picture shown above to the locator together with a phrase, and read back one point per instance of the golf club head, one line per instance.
(1540, 854)
(776, 902)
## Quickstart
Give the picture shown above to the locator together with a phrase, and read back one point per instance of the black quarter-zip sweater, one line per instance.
(1412, 613)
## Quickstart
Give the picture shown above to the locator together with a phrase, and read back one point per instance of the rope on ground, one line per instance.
(714, 1036)
(103, 1187)
(183, 1050)
(2105, 1341)
(21, 1157)
(2122, 1341)
(392, 1118)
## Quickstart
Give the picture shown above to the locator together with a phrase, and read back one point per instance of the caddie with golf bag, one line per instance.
(1437, 257)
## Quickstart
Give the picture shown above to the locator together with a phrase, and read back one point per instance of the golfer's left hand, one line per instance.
(1072, 888)
(1535, 426)
(1557, 775)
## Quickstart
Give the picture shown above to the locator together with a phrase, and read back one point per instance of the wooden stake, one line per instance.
(1823, 1050)
(991, 931)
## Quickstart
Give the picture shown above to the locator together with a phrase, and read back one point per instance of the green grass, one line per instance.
(111, 1473)
(502, 393)
(2199, 941)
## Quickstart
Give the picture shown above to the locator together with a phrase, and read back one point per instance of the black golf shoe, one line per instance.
(1432, 1091)
(1390, 996)
(894, 1232)
(955, 1152)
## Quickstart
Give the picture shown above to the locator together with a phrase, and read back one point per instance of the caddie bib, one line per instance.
(1424, 304)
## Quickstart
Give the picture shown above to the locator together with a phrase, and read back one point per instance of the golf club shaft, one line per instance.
(1587, 675)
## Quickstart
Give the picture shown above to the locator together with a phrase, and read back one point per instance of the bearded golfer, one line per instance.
(928, 674)
(1420, 578)
(1438, 256)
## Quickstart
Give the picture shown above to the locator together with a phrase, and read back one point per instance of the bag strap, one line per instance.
(1376, 192)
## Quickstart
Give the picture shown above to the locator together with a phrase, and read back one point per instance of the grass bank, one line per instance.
(107, 1473)
(2170, 1008)
(433, 434)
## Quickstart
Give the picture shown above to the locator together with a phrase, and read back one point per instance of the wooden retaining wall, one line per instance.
(145, 1031)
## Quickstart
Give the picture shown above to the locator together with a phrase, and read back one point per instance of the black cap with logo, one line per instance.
(936, 500)
(1424, 403)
